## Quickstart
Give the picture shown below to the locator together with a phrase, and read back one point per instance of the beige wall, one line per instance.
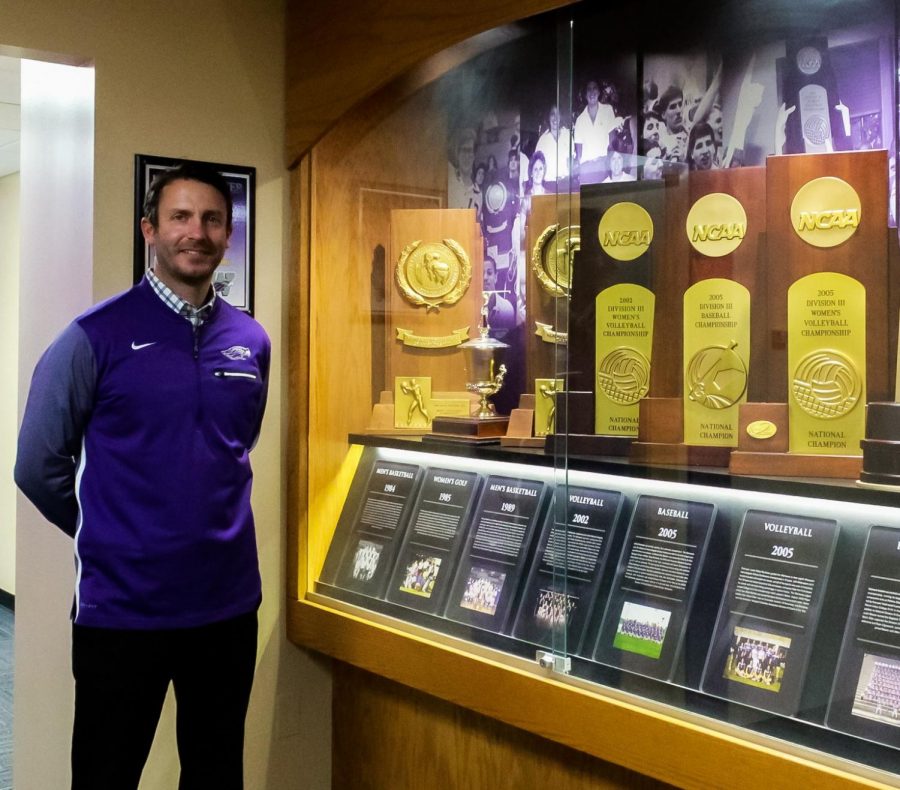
(201, 80)
(9, 363)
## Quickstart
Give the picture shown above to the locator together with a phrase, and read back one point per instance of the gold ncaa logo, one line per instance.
(625, 231)
(716, 224)
(825, 212)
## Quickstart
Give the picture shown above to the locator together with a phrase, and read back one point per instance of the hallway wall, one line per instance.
(9, 365)
(201, 80)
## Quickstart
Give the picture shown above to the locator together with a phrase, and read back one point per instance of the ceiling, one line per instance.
(9, 115)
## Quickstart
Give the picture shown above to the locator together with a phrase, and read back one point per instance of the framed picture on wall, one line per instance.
(233, 279)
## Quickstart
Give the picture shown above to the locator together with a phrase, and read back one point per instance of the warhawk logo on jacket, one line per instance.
(237, 352)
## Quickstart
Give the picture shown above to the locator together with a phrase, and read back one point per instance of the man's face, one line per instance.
(554, 120)
(653, 165)
(615, 163)
(702, 153)
(466, 157)
(673, 114)
(192, 234)
(490, 275)
(717, 123)
(514, 166)
(651, 129)
(592, 93)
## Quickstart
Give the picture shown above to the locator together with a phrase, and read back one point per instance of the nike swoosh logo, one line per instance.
(138, 346)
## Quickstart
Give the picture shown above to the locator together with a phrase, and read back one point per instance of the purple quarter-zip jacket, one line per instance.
(136, 440)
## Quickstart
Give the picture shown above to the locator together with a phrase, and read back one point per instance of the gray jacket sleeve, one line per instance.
(59, 406)
(264, 369)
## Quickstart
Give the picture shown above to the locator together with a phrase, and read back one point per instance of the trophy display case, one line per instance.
(601, 435)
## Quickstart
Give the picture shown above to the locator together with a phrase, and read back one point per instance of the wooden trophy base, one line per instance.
(589, 444)
(795, 465)
(468, 430)
(381, 423)
(765, 452)
(575, 412)
(666, 454)
(661, 438)
(382, 420)
(520, 432)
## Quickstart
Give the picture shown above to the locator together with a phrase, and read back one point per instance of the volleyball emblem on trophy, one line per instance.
(826, 385)
(624, 376)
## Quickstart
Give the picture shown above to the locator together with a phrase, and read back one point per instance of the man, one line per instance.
(617, 170)
(674, 135)
(460, 189)
(135, 441)
(650, 132)
(701, 147)
(671, 108)
(592, 128)
(652, 169)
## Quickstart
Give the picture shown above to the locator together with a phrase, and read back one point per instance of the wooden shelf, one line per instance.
(688, 751)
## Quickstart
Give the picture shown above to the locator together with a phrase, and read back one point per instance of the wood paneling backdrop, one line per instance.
(341, 59)
(431, 743)
(338, 54)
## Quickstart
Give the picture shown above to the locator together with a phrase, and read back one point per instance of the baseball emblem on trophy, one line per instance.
(717, 377)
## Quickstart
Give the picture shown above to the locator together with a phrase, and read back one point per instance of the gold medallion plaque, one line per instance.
(625, 231)
(545, 391)
(762, 429)
(826, 212)
(827, 364)
(412, 402)
(552, 256)
(624, 344)
(433, 273)
(716, 225)
(716, 360)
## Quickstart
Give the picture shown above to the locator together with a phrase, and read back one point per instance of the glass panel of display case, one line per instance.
(628, 282)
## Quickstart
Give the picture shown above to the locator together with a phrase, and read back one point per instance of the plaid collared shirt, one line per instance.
(196, 315)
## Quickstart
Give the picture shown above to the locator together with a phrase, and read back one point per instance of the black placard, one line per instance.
(865, 700)
(370, 548)
(567, 567)
(488, 575)
(770, 610)
(430, 550)
(643, 628)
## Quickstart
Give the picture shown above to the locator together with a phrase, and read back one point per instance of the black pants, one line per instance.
(121, 680)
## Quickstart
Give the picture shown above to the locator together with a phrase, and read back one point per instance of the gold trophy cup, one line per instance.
(485, 372)
(484, 368)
